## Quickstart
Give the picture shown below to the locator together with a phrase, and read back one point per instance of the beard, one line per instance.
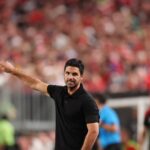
(71, 84)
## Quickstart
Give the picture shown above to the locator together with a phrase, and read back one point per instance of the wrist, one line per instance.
(14, 71)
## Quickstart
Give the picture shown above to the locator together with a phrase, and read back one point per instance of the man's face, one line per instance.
(72, 77)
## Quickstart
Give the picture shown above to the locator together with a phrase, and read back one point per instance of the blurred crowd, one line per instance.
(36, 141)
(110, 36)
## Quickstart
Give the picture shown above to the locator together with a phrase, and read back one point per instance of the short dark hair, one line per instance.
(75, 63)
(101, 98)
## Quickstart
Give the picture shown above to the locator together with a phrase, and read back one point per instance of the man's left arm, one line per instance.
(93, 131)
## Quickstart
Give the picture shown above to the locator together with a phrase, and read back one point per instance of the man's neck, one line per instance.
(73, 90)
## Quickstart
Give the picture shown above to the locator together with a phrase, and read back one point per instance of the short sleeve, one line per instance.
(51, 90)
(54, 91)
(90, 111)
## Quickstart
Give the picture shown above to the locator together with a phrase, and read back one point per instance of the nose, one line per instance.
(70, 76)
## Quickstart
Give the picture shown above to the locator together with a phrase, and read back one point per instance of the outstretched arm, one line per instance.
(32, 82)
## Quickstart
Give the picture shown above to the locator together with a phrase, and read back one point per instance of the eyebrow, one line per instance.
(74, 73)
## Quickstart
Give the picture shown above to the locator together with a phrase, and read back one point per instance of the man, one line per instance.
(76, 112)
(109, 136)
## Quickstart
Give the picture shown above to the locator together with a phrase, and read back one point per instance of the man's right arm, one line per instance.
(32, 82)
(109, 127)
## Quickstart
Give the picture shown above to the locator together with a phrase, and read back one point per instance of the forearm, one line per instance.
(29, 80)
(89, 141)
(111, 128)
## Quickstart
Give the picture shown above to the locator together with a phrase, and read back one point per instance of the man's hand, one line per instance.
(6, 67)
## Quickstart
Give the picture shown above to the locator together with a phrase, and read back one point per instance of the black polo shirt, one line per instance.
(73, 112)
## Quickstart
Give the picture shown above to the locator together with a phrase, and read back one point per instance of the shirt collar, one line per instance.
(77, 92)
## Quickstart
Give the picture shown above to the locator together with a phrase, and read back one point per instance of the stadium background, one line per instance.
(110, 36)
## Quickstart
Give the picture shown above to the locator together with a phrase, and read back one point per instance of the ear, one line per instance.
(81, 77)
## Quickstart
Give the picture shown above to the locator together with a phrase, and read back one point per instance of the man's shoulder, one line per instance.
(55, 89)
(87, 96)
(88, 99)
(51, 86)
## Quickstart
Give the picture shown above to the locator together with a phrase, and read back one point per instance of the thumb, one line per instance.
(2, 68)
